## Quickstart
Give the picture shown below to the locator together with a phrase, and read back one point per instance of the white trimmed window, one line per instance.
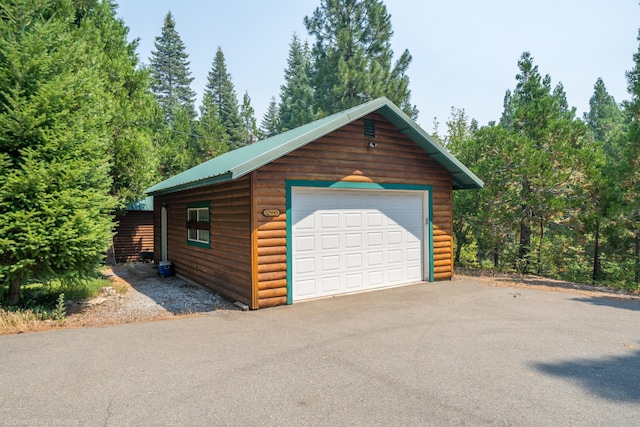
(198, 226)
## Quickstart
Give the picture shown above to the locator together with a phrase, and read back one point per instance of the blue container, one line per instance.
(165, 269)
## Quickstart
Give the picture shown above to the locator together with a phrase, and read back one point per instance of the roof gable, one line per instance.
(239, 162)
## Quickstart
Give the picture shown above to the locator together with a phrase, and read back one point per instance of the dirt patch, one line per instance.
(493, 278)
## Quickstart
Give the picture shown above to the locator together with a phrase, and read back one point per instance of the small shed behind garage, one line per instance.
(356, 201)
(134, 232)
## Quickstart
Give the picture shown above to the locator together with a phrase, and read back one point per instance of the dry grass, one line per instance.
(23, 320)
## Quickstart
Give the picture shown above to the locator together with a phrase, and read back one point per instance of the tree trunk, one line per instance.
(637, 256)
(495, 258)
(540, 247)
(597, 266)
(14, 289)
(458, 251)
(525, 245)
(525, 230)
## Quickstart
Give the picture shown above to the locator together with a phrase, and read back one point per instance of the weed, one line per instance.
(59, 313)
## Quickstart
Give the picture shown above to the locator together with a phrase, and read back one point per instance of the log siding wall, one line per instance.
(134, 234)
(247, 261)
(344, 155)
(226, 267)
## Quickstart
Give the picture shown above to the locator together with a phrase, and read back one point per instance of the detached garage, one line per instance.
(356, 201)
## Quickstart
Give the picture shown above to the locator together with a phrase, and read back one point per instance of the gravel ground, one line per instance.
(147, 297)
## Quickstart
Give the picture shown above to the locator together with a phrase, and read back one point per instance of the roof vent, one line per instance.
(369, 128)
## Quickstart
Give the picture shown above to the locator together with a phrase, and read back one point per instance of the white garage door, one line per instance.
(353, 240)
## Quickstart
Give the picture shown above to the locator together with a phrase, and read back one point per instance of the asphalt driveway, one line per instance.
(446, 353)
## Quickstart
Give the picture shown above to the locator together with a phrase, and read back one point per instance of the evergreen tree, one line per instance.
(606, 120)
(170, 72)
(353, 59)
(175, 126)
(552, 155)
(600, 191)
(296, 95)
(459, 139)
(270, 124)
(488, 218)
(630, 165)
(250, 130)
(223, 93)
(175, 143)
(134, 166)
(212, 137)
(55, 137)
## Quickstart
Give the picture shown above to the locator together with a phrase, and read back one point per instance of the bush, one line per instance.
(44, 296)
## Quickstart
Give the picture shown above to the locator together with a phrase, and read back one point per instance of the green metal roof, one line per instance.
(237, 163)
(145, 204)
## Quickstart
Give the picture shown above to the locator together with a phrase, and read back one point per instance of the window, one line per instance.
(198, 225)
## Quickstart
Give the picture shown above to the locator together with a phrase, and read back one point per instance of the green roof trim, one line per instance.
(237, 163)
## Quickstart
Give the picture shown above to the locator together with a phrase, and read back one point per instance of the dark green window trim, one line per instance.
(199, 225)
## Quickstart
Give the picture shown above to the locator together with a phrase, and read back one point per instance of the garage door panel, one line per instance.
(395, 274)
(305, 243)
(306, 288)
(354, 260)
(306, 265)
(359, 240)
(353, 220)
(395, 256)
(305, 221)
(330, 241)
(374, 239)
(354, 281)
(413, 254)
(353, 240)
(330, 263)
(414, 274)
(374, 259)
(330, 221)
(395, 238)
(330, 285)
(374, 219)
(375, 278)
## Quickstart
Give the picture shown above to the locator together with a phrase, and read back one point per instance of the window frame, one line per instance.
(199, 225)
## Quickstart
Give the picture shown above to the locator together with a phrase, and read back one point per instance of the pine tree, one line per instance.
(176, 144)
(606, 120)
(212, 137)
(250, 130)
(175, 132)
(223, 93)
(459, 139)
(551, 155)
(296, 95)
(270, 124)
(630, 165)
(55, 137)
(170, 72)
(353, 59)
(134, 166)
(601, 191)
(488, 217)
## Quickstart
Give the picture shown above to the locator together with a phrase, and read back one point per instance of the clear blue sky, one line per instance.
(465, 52)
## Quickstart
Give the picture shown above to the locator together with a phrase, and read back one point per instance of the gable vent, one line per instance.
(369, 128)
